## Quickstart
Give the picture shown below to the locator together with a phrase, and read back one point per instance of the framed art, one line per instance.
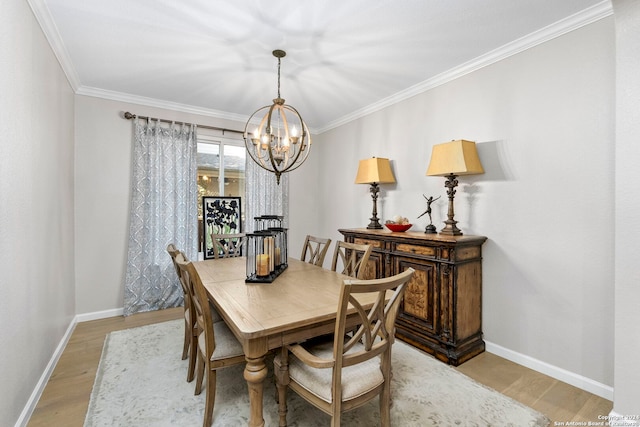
(221, 215)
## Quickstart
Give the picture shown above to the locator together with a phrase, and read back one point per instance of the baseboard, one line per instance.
(99, 315)
(584, 383)
(44, 378)
(23, 420)
(617, 420)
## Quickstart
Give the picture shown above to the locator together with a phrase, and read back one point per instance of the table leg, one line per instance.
(281, 371)
(255, 372)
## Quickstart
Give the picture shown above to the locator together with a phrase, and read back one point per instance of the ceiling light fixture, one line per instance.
(281, 142)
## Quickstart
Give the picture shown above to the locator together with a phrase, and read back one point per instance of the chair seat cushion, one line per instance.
(356, 380)
(227, 345)
(215, 316)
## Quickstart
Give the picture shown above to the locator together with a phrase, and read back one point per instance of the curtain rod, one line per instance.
(130, 116)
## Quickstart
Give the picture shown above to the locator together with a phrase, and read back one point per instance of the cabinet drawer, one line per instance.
(416, 250)
(374, 243)
(470, 252)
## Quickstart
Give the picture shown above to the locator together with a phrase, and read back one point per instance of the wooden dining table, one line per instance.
(299, 304)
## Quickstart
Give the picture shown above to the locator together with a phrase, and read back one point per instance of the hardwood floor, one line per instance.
(65, 399)
(559, 401)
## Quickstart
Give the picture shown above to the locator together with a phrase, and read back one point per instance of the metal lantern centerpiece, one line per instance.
(266, 250)
(265, 222)
(281, 142)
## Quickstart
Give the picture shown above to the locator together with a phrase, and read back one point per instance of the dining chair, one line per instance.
(344, 373)
(354, 258)
(228, 245)
(216, 344)
(317, 248)
(188, 348)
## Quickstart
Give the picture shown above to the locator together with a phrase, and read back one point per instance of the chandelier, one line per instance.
(281, 142)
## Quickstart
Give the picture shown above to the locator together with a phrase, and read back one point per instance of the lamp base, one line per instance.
(450, 229)
(374, 224)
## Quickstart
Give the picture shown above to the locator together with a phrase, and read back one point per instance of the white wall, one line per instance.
(103, 177)
(544, 123)
(627, 248)
(36, 206)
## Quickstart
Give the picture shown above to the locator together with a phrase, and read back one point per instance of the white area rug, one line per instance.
(141, 381)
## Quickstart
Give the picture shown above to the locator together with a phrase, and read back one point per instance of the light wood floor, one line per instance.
(65, 399)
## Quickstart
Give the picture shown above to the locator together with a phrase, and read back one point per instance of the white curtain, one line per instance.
(163, 210)
(264, 196)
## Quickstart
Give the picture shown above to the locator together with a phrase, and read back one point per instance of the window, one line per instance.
(221, 172)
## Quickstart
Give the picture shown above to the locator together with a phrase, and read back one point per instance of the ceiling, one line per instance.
(345, 58)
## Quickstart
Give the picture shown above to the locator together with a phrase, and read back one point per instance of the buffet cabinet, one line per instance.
(441, 312)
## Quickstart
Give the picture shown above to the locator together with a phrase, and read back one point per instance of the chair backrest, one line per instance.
(178, 259)
(353, 257)
(317, 248)
(175, 255)
(228, 245)
(375, 335)
(200, 301)
(173, 251)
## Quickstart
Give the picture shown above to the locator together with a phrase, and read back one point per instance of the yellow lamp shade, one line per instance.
(456, 157)
(374, 170)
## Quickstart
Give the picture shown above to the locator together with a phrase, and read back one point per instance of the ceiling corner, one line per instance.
(50, 30)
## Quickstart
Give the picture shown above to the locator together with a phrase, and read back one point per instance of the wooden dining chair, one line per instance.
(228, 245)
(344, 373)
(216, 344)
(316, 248)
(189, 347)
(353, 257)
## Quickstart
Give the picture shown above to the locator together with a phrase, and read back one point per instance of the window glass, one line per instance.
(208, 170)
(221, 172)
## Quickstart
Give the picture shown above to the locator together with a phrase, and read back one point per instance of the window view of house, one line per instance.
(221, 172)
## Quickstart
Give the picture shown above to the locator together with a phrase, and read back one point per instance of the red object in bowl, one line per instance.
(398, 227)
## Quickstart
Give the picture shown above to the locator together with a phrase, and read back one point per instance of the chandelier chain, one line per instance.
(278, 77)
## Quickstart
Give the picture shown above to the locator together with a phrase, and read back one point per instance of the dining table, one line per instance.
(300, 304)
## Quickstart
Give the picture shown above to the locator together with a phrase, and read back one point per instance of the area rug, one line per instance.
(141, 381)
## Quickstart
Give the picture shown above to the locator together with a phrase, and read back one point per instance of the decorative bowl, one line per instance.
(398, 227)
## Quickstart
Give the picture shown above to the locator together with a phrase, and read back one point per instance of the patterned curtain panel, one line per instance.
(264, 196)
(163, 210)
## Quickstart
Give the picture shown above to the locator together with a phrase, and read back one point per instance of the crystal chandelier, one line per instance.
(281, 142)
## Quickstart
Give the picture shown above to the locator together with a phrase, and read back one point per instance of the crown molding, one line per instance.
(153, 102)
(166, 105)
(566, 25)
(50, 30)
(573, 22)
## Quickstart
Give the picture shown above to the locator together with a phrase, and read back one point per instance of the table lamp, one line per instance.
(374, 171)
(450, 160)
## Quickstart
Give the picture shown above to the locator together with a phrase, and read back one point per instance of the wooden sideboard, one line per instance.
(442, 308)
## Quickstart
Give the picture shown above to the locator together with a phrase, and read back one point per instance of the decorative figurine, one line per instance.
(431, 229)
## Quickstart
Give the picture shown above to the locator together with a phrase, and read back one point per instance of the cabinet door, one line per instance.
(375, 266)
(420, 309)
